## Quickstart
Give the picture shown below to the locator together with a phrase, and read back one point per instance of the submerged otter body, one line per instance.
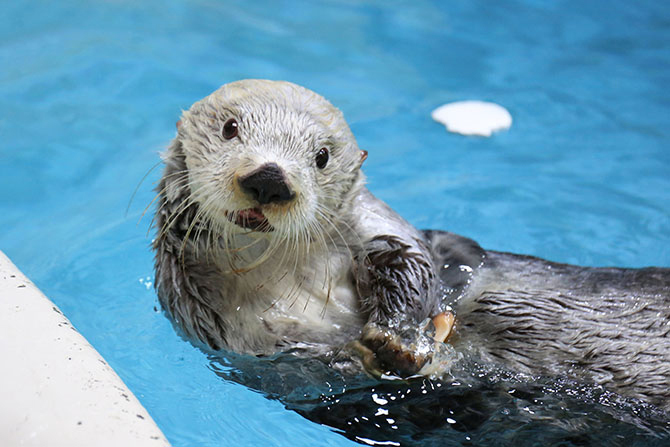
(268, 240)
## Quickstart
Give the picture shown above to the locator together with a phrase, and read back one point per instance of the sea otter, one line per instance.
(268, 240)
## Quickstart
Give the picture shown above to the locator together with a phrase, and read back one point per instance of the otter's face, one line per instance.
(270, 158)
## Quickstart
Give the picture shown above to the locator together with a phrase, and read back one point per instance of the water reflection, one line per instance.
(474, 405)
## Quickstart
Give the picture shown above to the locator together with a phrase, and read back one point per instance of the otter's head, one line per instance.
(268, 157)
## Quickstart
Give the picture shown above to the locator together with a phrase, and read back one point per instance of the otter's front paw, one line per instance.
(404, 351)
(393, 354)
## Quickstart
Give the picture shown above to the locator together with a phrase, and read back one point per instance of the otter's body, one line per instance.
(268, 240)
(608, 326)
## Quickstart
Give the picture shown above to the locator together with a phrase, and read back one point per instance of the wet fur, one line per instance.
(359, 263)
(608, 326)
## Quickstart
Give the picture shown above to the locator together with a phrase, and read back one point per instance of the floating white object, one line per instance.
(473, 117)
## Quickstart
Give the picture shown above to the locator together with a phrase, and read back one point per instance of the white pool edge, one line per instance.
(56, 388)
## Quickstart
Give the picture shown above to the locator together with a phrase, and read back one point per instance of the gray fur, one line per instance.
(608, 326)
(358, 263)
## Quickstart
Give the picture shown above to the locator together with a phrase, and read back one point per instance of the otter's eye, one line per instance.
(230, 129)
(322, 158)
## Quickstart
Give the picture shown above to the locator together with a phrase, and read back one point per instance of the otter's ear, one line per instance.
(173, 181)
(173, 156)
(364, 156)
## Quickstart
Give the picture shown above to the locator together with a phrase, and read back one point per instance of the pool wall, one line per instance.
(56, 388)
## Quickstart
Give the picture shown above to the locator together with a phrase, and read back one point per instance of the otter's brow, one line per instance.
(328, 141)
(227, 112)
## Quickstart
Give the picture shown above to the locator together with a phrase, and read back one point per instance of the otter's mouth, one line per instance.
(251, 218)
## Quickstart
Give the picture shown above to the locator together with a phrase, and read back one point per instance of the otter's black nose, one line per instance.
(266, 185)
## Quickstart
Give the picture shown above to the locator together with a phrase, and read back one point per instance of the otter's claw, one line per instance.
(368, 358)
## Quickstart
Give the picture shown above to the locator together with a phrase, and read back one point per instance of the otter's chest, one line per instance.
(283, 305)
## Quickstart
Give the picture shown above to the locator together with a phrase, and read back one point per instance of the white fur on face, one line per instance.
(281, 123)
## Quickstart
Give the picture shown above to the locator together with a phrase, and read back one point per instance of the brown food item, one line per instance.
(444, 323)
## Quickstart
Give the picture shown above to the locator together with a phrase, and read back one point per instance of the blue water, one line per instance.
(90, 93)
